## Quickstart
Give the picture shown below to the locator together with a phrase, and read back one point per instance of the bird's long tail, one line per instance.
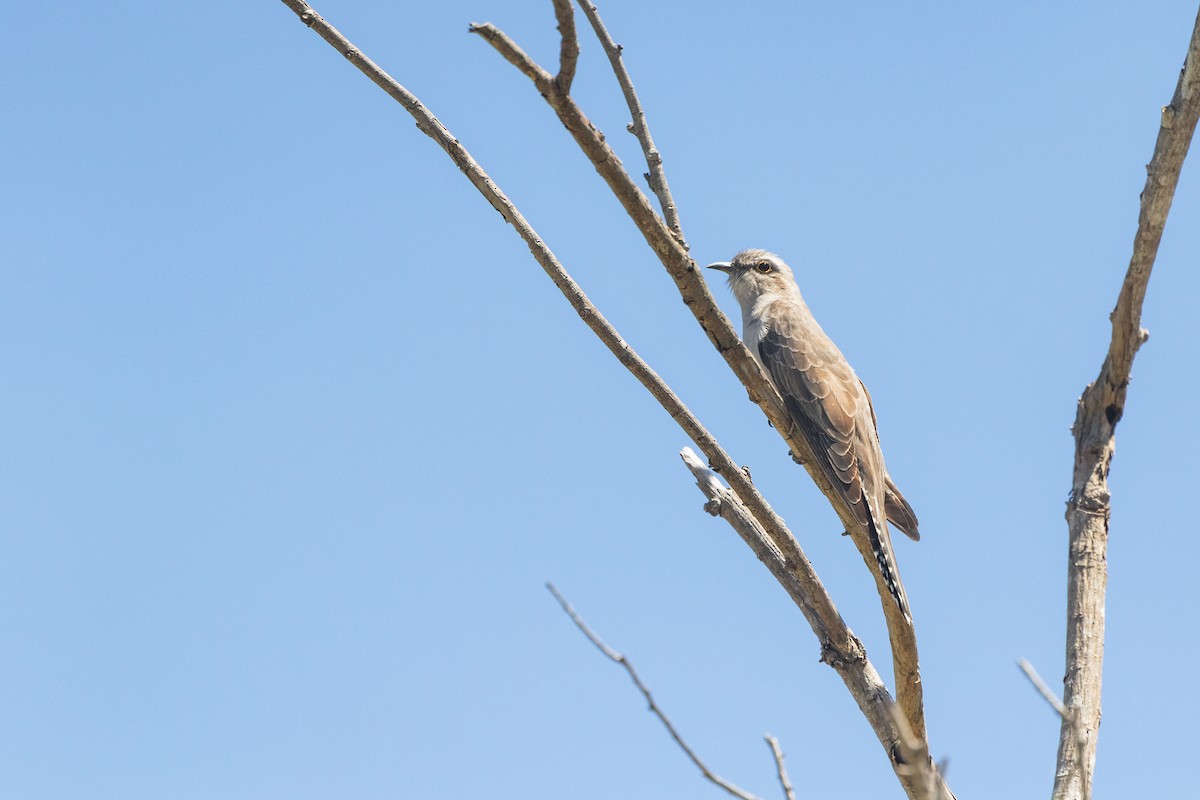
(881, 547)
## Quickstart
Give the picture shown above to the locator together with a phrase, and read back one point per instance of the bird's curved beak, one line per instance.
(723, 266)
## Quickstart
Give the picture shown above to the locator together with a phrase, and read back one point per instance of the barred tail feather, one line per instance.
(881, 548)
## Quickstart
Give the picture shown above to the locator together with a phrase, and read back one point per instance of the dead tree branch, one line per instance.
(1039, 684)
(620, 658)
(909, 753)
(784, 781)
(568, 52)
(674, 256)
(657, 176)
(1100, 408)
(839, 647)
(916, 762)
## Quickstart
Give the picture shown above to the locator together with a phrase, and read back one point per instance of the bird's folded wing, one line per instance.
(822, 393)
(898, 511)
(830, 406)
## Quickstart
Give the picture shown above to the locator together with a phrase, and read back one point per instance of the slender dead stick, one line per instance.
(1042, 688)
(657, 176)
(784, 781)
(1100, 408)
(620, 658)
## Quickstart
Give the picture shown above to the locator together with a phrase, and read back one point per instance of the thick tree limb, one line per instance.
(694, 291)
(620, 658)
(1100, 408)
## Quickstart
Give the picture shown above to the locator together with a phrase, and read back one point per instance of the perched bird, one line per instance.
(827, 401)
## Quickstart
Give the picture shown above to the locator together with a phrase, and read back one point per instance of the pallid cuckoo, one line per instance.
(827, 401)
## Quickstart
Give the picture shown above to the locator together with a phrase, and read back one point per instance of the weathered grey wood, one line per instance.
(1100, 408)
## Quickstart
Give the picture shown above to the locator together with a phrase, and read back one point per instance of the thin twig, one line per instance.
(694, 291)
(513, 54)
(657, 176)
(1040, 685)
(568, 49)
(1068, 717)
(1100, 408)
(780, 769)
(654, 707)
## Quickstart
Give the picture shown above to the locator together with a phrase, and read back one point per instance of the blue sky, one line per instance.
(295, 430)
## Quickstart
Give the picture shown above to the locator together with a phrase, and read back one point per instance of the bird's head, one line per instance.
(754, 273)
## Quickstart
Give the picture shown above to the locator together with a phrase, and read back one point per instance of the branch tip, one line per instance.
(784, 781)
(639, 126)
(653, 707)
(1041, 687)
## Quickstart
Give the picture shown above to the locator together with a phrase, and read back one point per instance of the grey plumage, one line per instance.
(826, 399)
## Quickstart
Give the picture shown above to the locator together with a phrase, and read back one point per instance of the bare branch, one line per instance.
(909, 754)
(1041, 686)
(913, 761)
(780, 768)
(1100, 408)
(512, 53)
(797, 577)
(591, 635)
(654, 708)
(831, 630)
(657, 176)
(568, 53)
(694, 291)
(777, 546)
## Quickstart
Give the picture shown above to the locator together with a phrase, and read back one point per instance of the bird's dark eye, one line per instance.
(763, 266)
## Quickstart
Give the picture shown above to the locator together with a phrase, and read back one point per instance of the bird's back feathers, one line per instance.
(833, 411)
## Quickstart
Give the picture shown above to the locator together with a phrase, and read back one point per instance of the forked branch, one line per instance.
(672, 252)
(568, 51)
(840, 648)
(910, 754)
(657, 176)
